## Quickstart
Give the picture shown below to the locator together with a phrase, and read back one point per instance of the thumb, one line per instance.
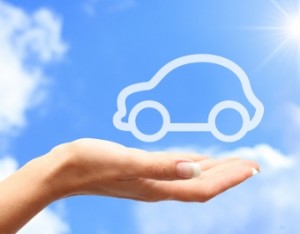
(166, 168)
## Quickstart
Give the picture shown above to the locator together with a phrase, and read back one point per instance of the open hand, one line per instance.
(105, 168)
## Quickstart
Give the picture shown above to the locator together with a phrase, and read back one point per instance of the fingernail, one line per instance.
(254, 171)
(188, 170)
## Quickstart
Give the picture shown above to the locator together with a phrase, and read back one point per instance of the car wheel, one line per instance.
(153, 105)
(229, 105)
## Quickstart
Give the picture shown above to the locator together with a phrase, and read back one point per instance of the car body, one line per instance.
(210, 125)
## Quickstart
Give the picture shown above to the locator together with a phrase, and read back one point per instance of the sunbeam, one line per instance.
(285, 30)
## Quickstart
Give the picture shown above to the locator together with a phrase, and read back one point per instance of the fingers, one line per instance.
(230, 176)
(175, 176)
(174, 166)
(227, 165)
(208, 163)
(184, 155)
(222, 175)
(168, 169)
(166, 166)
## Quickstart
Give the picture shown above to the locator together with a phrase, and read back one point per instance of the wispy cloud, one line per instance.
(27, 43)
(122, 5)
(7, 166)
(91, 7)
(267, 203)
(289, 125)
(265, 154)
(48, 222)
(294, 114)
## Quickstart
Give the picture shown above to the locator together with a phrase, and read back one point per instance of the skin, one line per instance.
(97, 167)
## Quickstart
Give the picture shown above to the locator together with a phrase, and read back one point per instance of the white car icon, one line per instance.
(210, 126)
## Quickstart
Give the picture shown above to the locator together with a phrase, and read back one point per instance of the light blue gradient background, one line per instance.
(124, 42)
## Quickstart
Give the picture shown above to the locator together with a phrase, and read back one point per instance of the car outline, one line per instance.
(210, 126)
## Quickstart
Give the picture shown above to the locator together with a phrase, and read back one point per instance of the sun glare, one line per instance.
(285, 30)
(293, 28)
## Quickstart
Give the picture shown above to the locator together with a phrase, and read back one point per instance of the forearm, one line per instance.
(28, 191)
(91, 166)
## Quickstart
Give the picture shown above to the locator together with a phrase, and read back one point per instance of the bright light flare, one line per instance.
(285, 30)
(293, 28)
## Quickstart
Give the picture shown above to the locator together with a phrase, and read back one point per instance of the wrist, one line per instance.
(27, 192)
(61, 168)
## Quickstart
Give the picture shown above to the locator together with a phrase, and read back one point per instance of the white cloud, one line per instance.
(267, 203)
(294, 114)
(288, 125)
(291, 124)
(47, 221)
(7, 166)
(122, 5)
(266, 155)
(90, 7)
(27, 42)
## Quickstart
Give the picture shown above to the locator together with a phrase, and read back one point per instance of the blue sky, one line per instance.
(64, 63)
